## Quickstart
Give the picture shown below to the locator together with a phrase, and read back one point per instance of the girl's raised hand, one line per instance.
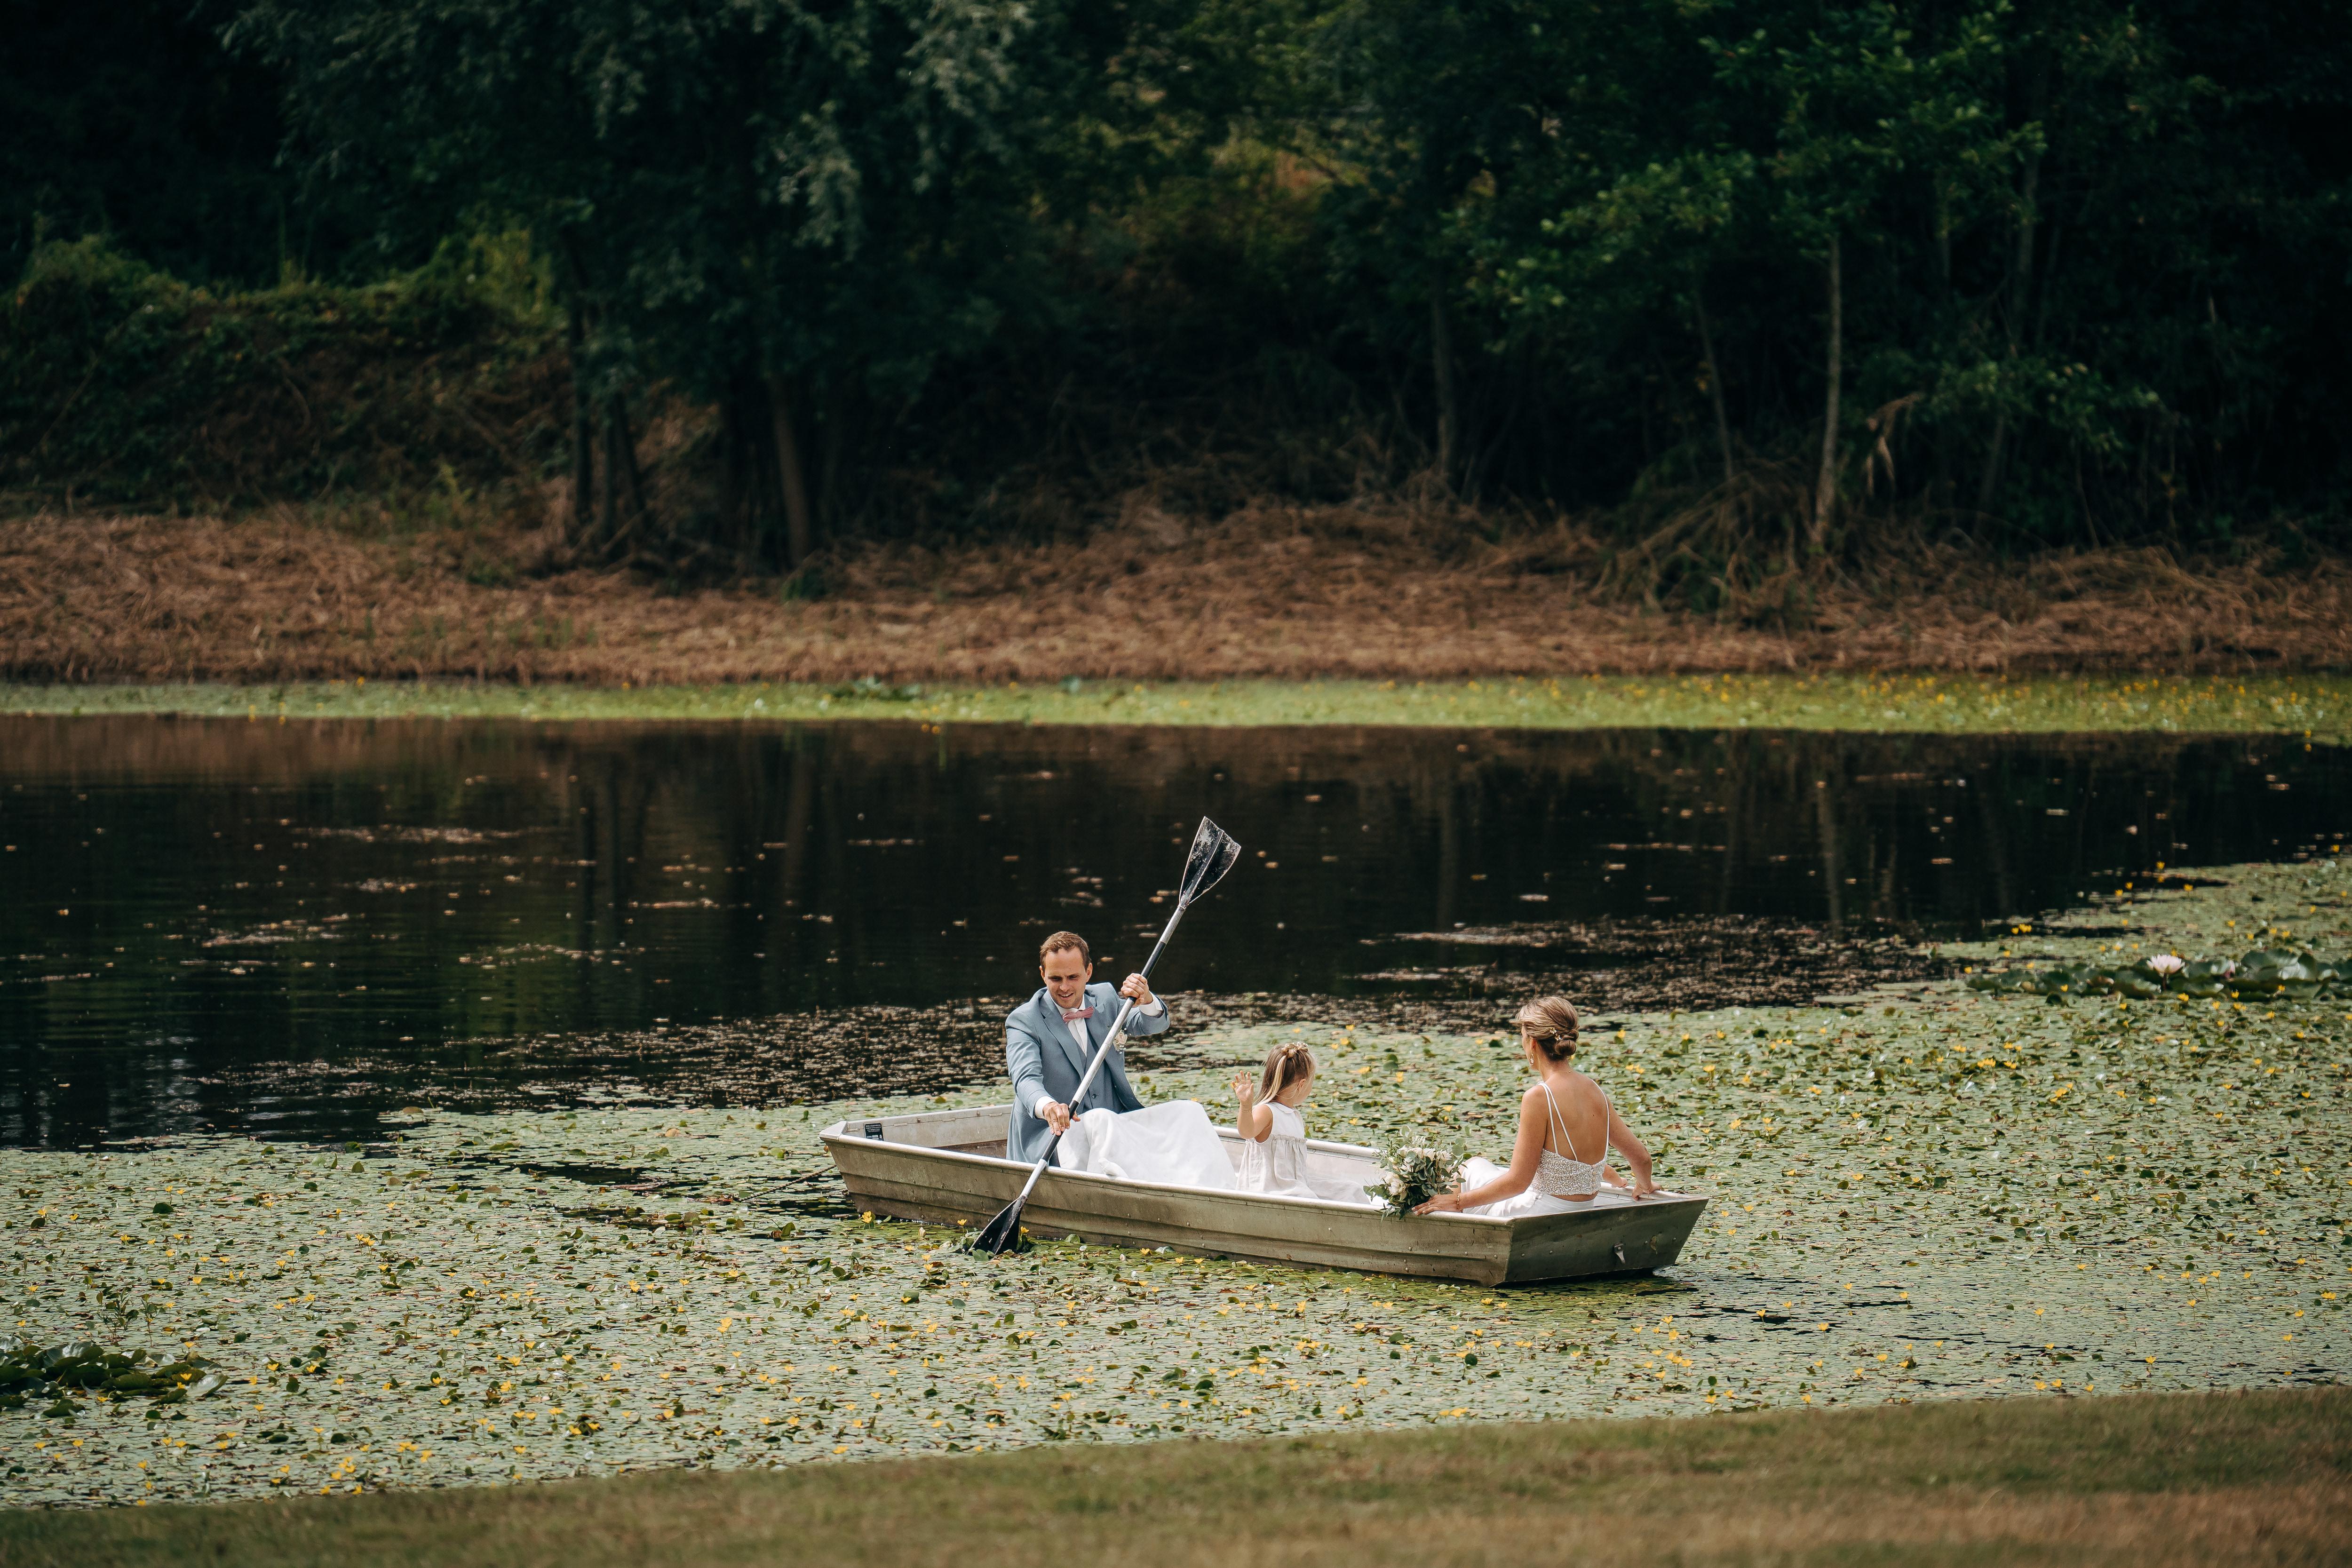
(1244, 1092)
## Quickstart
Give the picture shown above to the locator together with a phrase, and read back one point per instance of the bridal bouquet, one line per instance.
(1416, 1172)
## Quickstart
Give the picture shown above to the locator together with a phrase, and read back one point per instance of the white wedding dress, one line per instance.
(1176, 1145)
(1172, 1144)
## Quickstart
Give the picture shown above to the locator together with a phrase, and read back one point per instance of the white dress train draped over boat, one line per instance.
(1172, 1144)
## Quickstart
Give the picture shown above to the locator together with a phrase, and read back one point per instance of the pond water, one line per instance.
(292, 928)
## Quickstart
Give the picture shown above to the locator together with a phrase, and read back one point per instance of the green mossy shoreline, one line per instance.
(1926, 1193)
(2317, 706)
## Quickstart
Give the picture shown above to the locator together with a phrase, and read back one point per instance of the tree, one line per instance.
(788, 207)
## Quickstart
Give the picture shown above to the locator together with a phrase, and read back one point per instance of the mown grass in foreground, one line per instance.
(2318, 706)
(2203, 1478)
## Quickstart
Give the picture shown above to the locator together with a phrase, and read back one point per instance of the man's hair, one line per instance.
(1060, 942)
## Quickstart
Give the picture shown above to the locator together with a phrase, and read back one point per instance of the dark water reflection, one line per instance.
(290, 927)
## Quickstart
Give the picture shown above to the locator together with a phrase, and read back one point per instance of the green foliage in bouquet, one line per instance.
(1416, 1174)
(2264, 972)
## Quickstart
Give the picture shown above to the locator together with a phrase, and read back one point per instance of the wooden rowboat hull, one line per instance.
(947, 1167)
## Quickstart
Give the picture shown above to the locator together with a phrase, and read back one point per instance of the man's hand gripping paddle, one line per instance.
(1214, 853)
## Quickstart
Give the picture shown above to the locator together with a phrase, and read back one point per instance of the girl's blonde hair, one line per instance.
(1553, 1021)
(1284, 1065)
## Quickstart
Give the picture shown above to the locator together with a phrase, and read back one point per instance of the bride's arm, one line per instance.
(1636, 1152)
(1526, 1154)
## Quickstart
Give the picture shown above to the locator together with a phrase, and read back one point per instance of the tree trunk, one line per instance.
(828, 470)
(627, 446)
(798, 534)
(2022, 281)
(610, 528)
(1440, 356)
(1825, 488)
(2021, 296)
(737, 487)
(1713, 383)
(583, 434)
(1989, 484)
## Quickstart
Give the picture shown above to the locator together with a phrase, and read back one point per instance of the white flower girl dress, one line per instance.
(1283, 1166)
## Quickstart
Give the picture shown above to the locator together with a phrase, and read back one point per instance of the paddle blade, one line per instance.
(1003, 1234)
(1215, 850)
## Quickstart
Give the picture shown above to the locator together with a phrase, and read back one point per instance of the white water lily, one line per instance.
(2168, 963)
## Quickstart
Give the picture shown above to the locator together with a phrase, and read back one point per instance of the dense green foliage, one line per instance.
(1801, 268)
(126, 386)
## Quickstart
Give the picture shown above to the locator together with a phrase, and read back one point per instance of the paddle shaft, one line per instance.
(1117, 1029)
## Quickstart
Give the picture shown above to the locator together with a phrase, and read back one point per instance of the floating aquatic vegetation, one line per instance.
(1919, 1194)
(2299, 976)
(82, 1366)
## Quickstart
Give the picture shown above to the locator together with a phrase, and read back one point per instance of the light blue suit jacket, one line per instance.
(1044, 1060)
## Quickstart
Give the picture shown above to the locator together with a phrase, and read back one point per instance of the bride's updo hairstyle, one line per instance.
(1552, 1020)
(1284, 1065)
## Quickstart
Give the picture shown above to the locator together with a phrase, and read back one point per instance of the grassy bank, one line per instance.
(2317, 706)
(2191, 1478)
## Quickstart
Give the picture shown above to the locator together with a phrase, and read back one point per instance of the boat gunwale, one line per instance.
(836, 1132)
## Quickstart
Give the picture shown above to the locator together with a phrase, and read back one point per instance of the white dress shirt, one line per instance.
(1077, 1027)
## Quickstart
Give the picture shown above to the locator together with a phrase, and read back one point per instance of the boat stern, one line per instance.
(1624, 1238)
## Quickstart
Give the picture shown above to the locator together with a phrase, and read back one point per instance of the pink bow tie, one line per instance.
(1070, 1013)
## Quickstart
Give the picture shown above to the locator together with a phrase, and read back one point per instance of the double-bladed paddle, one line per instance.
(1212, 855)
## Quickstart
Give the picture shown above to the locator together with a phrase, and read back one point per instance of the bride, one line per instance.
(1564, 1117)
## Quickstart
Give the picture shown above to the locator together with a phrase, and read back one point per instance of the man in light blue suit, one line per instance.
(1050, 1039)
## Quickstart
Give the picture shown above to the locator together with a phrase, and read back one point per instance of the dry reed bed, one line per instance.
(1269, 592)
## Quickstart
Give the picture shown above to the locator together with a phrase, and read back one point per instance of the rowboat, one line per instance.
(949, 1167)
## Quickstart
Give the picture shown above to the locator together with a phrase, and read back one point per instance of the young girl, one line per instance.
(1273, 1135)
